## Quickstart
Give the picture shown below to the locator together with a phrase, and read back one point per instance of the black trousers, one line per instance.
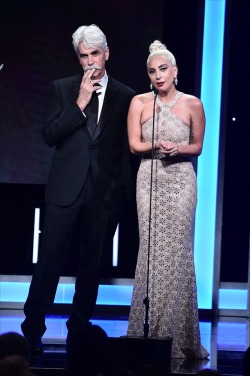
(97, 223)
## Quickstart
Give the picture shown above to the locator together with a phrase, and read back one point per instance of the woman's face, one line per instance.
(161, 73)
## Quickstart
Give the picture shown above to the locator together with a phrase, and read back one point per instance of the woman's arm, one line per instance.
(197, 125)
(136, 108)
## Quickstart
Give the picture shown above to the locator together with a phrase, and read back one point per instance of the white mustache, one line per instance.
(91, 67)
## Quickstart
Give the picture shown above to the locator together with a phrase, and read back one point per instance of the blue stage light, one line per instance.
(211, 84)
(120, 295)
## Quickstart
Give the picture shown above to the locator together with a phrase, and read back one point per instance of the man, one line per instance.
(88, 182)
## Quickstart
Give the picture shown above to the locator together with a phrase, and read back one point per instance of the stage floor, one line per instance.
(226, 339)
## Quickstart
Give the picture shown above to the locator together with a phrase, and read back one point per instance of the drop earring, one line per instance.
(151, 87)
(175, 81)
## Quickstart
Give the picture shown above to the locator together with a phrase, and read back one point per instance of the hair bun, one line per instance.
(156, 46)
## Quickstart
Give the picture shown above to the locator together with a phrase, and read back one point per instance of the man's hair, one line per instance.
(91, 36)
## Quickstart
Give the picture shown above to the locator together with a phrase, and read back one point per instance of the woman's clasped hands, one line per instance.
(167, 147)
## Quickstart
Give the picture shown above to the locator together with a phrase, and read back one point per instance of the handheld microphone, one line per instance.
(156, 91)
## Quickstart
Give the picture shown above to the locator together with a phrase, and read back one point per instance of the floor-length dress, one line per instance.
(172, 293)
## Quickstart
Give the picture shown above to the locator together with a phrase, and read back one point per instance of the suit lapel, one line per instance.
(76, 84)
(111, 94)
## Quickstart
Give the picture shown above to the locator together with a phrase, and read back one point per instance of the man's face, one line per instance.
(93, 58)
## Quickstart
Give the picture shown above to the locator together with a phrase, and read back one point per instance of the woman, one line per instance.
(177, 135)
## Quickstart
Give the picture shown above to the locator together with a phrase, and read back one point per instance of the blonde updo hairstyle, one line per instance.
(159, 49)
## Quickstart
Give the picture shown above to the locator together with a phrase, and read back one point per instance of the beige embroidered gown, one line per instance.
(172, 285)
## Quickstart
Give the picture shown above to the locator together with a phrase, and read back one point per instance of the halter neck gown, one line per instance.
(172, 293)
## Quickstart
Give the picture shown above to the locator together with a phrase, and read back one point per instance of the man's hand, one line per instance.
(86, 89)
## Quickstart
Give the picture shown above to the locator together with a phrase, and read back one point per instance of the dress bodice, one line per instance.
(167, 126)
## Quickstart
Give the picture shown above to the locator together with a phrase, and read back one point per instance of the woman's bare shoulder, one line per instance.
(143, 99)
(191, 99)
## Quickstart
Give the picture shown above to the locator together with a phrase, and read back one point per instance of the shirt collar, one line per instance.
(103, 82)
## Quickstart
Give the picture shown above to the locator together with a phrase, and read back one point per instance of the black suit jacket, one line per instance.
(108, 154)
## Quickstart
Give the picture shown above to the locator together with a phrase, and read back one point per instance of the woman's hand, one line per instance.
(168, 148)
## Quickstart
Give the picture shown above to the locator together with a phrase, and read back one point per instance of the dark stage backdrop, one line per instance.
(183, 33)
(35, 48)
(236, 136)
